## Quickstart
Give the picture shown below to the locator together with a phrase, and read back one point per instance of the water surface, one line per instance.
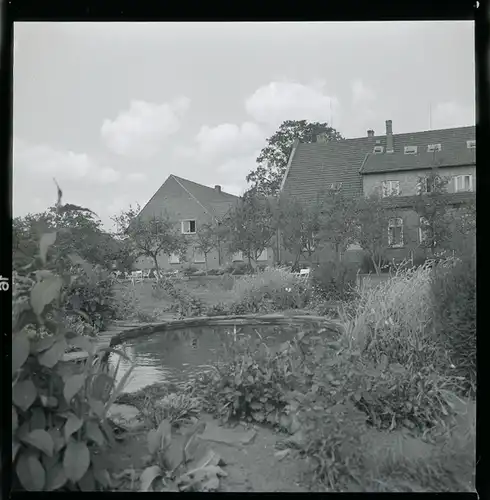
(180, 355)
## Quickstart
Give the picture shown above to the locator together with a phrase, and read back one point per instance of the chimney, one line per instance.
(217, 188)
(322, 137)
(389, 136)
(370, 133)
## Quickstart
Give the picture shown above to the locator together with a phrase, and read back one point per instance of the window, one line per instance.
(174, 259)
(395, 232)
(199, 257)
(237, 256)
(425, 185)
(378, 150)
(188, 227)
(391, 188)
(424, 230)
(471, 144)
(410, 150)
(336, 186)
(263, 255)
(463, 183)
(433, 147)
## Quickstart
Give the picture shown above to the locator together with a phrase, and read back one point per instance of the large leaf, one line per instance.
(55, 477)
(148, 476)
(87, 483)
(43, 344)
(38, 419)
(76, 460)
(20, 350)
(50, 357)
(72, 386)
(160, 439)
(83, 343)
(57, 438)
(30, 472)
(41, 440)
(47, 239)
(44, 292)
(97, 407)
(73, 423)
(24, 394)
(93, 432)
(77, 260)
(15, 420)
(102, 476)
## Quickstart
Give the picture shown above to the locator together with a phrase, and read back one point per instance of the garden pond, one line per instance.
(182, 355)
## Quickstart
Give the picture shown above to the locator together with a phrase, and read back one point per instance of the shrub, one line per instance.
(453, 294)
(189, 270)
(59, 424)
(270, 290)
(227, 282)
(334, 280)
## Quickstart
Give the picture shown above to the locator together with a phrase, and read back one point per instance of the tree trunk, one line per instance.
(377, 267)
(157, 268)
(206, 263)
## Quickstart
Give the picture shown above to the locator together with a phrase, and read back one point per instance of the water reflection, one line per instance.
(179, 355)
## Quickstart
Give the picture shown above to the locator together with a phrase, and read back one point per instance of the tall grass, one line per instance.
(274, 288)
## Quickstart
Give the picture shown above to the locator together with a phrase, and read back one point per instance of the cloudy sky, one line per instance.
(111, 109)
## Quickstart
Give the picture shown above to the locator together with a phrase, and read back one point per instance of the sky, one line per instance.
(112, 109)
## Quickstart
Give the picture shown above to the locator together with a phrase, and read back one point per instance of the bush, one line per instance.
(453, 294)
(334, 280)
(59, 423)
(189, 270)
(271, 290)
(227, 282)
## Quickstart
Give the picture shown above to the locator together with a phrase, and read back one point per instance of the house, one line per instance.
(391, 164)
(192, 205)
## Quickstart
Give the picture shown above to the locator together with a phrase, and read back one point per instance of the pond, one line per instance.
(181, 355)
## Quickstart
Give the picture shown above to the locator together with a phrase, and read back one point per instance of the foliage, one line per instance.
(150, 237)
(207, 240)
(372, 221)
(300, 225)
(250, 226)
(272, 161)
(334, 280)
(187, 304)
(270, 290)
(338, 221)
(453, 294)
(59, 424)
(251, 381)
(434, 211)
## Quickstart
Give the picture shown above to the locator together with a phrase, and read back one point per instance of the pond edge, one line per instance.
(244, 319)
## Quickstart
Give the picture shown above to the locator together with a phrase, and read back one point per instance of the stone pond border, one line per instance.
(245, 319)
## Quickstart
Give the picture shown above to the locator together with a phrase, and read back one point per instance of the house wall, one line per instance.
(171, 198)
(408, 179)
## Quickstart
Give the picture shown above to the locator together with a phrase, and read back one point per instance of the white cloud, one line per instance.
(229, 139)
(278, 101)
(452, 114)
(139, 131)
(41, 160)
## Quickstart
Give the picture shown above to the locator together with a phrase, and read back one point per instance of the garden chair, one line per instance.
(146, 274)
(136, 276)
(304, 273)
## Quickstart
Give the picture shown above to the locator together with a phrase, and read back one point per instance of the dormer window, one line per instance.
(378, 150)
(410, 150)
(433, 147)
(471, 144)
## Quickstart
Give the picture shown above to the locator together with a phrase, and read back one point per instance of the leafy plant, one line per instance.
(59, 409)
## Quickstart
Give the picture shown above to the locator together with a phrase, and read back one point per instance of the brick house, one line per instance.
(191, 205)
(391, 164)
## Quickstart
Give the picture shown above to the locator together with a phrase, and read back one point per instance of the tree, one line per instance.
(272, 161)
(338, 221)
(433, 206)
(250, 226)
(150, 237)
(372, 221)
(299, 224)
(207, 239)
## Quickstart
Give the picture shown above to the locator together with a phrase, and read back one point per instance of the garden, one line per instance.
(372, 390)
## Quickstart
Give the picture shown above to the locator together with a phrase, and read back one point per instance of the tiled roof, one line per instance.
(216, 203)
(318, 165)
(454, 151)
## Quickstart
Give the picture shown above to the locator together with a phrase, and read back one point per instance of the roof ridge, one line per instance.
(176, 177)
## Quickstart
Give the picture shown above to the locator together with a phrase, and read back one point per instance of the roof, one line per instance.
(454, 151)
(316, 166)
(216, 203)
